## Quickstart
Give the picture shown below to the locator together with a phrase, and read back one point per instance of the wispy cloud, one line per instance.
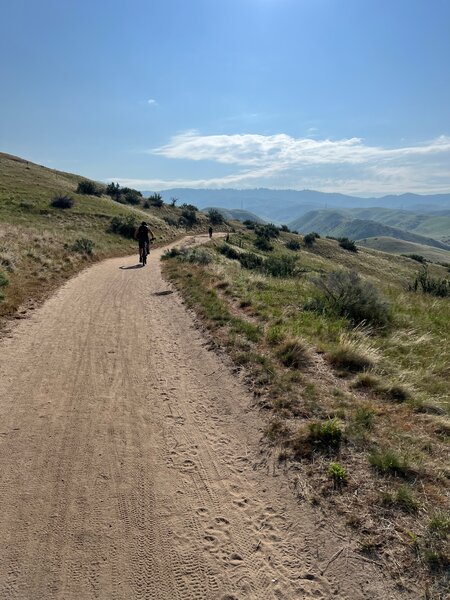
(152, 102)
(347, 165)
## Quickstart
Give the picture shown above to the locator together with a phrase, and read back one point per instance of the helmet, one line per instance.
(143, 223)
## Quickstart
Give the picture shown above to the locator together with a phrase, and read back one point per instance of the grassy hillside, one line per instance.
(340, 224)
(39, 244)
(435, 225)
(354, 383)
(395, 246)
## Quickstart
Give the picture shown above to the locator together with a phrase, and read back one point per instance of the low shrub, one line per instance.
(155, 200)
(173, 253)
(263, 244)
(249, 224)
(268, 231)
(62, 202)
(285, 228)
(280, 266)
(326, 434)
(188, 217)
(89, 188)
(171, 221)
(293, 245)
(430, 285)
(199, 256)
(338, 474)
(347, 244)
(125, 226)
(228, 251)
(215, 217)
(417, 257)
(310, 239)
(350, 296)
(294, 354)
(250, 260)
(83, 246)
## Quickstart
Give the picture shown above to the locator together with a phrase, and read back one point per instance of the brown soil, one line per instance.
(131, 465)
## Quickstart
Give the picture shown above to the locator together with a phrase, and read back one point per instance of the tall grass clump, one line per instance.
(294, 354)
(389, 462)
(357, 299)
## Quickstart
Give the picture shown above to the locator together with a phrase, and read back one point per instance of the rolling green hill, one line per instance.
(396, 246)
(339, 224)
(40, 245)
(435, 225)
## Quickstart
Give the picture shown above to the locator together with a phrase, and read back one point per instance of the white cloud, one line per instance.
(347, 165)
(261, 150)
(152, 102)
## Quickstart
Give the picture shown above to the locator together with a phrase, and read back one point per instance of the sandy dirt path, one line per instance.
(130, 462)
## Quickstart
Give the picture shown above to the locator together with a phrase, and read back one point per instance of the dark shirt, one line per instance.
(142, 233)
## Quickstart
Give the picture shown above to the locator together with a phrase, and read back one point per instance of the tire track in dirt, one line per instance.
(131, 466)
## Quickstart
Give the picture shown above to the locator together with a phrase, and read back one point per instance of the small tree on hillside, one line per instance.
(215, 217)
(89, 188)
(156, 200)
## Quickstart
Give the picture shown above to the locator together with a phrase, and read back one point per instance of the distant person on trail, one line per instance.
(142, 235)
(210, 231)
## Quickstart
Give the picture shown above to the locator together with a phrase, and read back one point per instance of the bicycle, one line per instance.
(144, 251)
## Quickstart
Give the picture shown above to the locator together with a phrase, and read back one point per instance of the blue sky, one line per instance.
(334, 95)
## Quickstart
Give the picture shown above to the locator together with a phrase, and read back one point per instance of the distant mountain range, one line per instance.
(284, 206)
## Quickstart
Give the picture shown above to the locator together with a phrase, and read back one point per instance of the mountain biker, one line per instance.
(143, 234)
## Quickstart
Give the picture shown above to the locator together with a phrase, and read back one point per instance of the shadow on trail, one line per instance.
(163, 293)
(133, 267)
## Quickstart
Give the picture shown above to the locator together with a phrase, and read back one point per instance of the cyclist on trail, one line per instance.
(143, 234)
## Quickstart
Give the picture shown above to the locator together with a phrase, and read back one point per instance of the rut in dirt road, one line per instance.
(130, 462)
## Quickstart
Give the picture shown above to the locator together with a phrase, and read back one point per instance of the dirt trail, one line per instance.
(130, 462)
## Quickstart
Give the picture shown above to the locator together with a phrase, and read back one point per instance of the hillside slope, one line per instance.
(39, 244)
(338, 224)
(435, 225)
(396, 246)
